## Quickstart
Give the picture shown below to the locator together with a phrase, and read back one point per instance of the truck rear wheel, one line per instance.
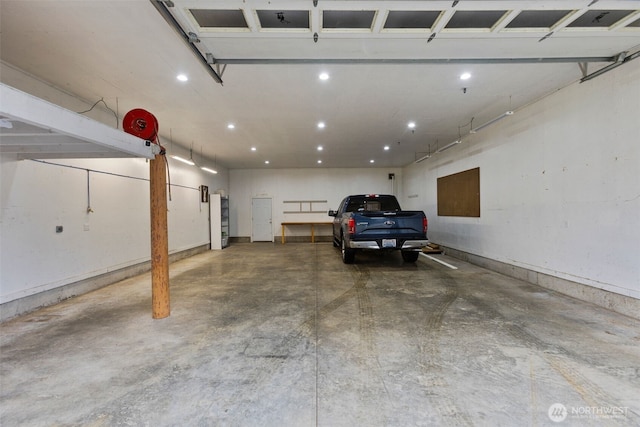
(348, 255)
(410, 256)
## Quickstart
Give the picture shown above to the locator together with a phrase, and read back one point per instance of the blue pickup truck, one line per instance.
(375, 221)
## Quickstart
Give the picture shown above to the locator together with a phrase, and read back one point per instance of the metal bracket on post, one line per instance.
(584, 68)
(211, 60)
(221, 70)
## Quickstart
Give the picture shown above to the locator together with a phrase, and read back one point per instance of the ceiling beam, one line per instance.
(72, 129)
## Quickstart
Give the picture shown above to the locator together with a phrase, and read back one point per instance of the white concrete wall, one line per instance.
(301, 184)
(559, 186)
(36, 197)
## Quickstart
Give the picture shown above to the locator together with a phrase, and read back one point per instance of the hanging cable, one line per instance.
(109, 173)
(166, 162)
(105, 104)
(163, 153)
(89, 210)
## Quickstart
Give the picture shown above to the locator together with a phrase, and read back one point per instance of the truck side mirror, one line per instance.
(332, 213)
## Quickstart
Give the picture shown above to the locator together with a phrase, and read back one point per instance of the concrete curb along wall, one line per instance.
(30, 303)
(622, 304)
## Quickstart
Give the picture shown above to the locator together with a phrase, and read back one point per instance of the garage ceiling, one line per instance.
(390, 63)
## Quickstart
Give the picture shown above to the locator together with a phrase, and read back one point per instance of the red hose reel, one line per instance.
(141, 123)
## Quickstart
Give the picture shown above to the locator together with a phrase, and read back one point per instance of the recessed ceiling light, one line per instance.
(465, 76)
(253, 148)
(319, 161)
(231, 126)
(321, 125)
(266, 162)
(320, 148)
(182, 77)
(323, 76)
(387, 148)
(411, 125)
(372, 161)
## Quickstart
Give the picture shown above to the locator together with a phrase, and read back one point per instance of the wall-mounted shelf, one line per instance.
(305, 206)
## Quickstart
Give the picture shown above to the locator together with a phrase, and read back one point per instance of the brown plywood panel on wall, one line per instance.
(459, 194)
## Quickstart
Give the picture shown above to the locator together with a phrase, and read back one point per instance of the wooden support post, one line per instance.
(159, 238)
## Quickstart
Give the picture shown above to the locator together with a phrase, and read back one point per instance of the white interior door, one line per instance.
(261, 227)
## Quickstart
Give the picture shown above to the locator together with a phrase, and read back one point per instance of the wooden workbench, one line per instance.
(309, 223)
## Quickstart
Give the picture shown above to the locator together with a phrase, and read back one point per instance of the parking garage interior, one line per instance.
(523, 312)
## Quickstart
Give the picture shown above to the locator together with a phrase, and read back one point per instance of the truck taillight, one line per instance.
(352, 226)
(425, 224)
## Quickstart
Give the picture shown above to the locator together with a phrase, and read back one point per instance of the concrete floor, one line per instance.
(288, 335)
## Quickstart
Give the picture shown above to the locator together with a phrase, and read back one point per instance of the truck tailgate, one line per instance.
(380, 224)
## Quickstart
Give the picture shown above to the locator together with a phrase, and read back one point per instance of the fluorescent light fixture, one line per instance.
(231, 126)
(492, 121)
(323, 76)
(465, 76)
(386, 148)
(253, 148)
(266, 162)
(446, 147)
(423, 158)
(321, 125)
(372, 161)
(319, 161)
(411, 125)
(320, 148)
(182, 77)
(180, 159)
(209, 170)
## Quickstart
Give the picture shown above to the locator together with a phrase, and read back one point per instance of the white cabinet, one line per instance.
(219, 212)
